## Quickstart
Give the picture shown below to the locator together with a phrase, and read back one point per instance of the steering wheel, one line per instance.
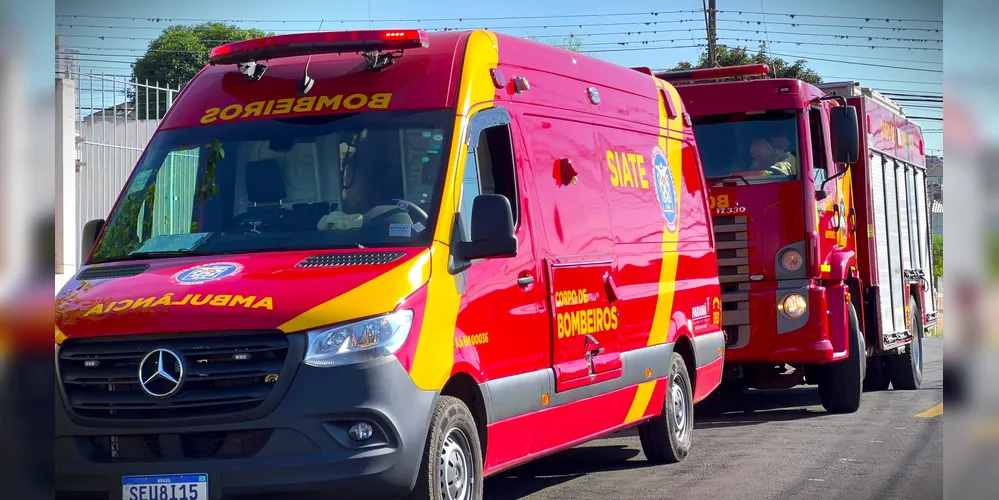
(414, 211)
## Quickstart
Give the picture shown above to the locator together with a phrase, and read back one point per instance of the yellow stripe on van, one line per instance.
(378, 296)
(643, 395)
(674, 154)
(434, 358)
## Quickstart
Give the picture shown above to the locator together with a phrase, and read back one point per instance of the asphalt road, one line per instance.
(780, 445)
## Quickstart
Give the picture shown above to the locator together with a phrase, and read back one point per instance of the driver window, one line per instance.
(489, 169)
(818, 140)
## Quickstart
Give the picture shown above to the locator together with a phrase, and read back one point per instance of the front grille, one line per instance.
(170, 447)
(732, 242)
(225, 374)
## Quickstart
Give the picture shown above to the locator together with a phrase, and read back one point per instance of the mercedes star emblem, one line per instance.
(161, 373)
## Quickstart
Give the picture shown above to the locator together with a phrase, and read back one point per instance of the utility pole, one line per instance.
(709, 25)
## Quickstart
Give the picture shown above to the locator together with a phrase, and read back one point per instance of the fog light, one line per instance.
(361, 431)
(791, 260)
(793, 305)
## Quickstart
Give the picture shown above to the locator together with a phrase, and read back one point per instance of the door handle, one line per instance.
(525, 280)
(593, 347)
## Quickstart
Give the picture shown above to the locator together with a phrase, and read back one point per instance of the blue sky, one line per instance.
(886, 52)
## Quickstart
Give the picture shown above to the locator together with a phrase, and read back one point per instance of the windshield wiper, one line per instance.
(156, 254)
(729, 176)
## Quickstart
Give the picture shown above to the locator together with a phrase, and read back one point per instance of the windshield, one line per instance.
(343, 181)
(749, 148)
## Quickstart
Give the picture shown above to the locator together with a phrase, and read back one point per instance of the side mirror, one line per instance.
(845, 134)
(89, 238)
(492, 229)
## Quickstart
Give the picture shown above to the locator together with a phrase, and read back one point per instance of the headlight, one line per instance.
(793, 305)
(791, 260)
(355, 342)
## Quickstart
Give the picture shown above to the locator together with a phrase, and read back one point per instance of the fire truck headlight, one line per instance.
(360, 341)
(793, 305)
(791, 260)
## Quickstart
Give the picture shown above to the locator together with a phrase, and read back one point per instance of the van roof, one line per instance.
(424, 82)
(424, 78)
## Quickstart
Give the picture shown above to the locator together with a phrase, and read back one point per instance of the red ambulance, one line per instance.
(390, 263)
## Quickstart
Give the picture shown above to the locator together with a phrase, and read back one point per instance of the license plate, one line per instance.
(166, 487)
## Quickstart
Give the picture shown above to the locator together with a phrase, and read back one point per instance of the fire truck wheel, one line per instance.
(907, 369)
(843, 383)
(452, 460)
(667, 438)
(877, 378)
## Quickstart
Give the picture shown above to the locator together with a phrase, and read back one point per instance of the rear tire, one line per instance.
(907, 369)
(842, 385)
(877, 378)
(452, 459)
(667, 437)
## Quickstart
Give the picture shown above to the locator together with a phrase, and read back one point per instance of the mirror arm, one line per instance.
(841, 173)
(457, 263)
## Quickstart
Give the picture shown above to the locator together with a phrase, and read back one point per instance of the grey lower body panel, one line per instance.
(517, 395)
(708, 348)
(307, 450)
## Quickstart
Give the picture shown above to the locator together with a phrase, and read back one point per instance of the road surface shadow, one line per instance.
(562, 467)
(758, 407)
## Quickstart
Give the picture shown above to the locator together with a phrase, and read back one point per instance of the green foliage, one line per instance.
(571, 43)
(937, 251)
(727, 56)
(175, 57)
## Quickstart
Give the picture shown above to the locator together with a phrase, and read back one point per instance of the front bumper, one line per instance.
(769, 337)
(299, 448)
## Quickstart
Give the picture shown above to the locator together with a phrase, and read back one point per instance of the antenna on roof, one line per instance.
(306, 84)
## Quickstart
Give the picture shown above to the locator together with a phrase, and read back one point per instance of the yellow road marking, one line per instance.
(936, 411)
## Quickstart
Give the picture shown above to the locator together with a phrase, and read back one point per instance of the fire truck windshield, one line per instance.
(753, 148)
(337, 181)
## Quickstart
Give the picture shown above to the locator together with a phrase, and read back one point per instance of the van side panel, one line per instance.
(666, 261)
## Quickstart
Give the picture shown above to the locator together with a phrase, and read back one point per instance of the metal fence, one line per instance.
(116, 116)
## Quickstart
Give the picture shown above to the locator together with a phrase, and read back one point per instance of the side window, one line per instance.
(489, 169)
(818, 141)
(169, 202)
(469, 190)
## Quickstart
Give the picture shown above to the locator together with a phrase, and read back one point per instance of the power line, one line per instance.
(840, 61)
(492, 18)
(836, 26)
(826, 35)
(836, 44)
(822, 54)
(853, 78)
(826, 16)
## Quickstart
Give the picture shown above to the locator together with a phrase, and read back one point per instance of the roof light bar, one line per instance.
(301, 44)
(714, 73)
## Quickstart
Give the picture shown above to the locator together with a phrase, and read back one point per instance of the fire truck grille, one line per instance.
(224, 374)
(732, 242)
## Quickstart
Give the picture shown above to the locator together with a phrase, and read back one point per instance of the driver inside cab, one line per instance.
(371, 200)
(772, 159)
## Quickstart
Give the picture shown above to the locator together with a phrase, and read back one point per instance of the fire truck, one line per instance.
(818, 197)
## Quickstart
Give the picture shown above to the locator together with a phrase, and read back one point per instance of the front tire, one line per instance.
(452, 459)
(843, 383)
(907, 369)
(667, 438)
